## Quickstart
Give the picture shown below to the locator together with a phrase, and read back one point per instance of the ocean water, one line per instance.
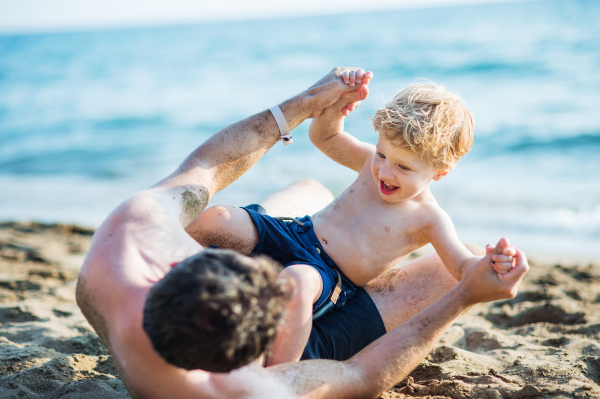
(89, 118)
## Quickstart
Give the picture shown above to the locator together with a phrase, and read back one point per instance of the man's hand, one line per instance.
(342, 79)
(482, 283)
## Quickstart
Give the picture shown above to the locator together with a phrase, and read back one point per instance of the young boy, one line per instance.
(386, 214)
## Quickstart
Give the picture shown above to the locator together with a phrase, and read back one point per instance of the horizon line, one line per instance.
(217, 16)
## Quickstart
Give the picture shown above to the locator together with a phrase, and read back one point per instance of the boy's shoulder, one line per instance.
(368, 150)
(430, 214)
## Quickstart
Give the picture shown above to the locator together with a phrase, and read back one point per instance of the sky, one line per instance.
(18, 16)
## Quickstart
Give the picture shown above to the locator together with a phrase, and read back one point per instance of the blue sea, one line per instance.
(88, 118)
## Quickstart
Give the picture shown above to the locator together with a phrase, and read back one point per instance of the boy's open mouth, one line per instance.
(387, 189)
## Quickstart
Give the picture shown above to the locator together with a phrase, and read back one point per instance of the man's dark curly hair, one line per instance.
(215, 311)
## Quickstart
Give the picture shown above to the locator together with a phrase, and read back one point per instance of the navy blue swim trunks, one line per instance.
(344, 332)
(294, 242)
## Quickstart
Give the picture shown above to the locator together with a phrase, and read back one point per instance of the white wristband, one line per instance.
(284, 129)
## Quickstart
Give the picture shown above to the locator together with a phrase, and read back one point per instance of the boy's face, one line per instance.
(401, 174)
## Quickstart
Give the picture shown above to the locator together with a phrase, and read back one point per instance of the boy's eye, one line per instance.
(380, 155)
(403, 167)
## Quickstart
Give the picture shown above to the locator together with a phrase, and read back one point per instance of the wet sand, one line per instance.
(545, 343)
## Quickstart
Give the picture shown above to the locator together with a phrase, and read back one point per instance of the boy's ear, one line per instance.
(440, 174)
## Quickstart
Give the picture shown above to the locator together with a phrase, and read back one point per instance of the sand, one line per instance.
(545, 343)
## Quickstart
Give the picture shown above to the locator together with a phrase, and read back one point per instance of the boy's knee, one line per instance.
(312, 184)
(316, 189)
(216, 216)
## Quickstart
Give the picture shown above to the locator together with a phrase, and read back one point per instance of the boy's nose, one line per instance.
(384, 174)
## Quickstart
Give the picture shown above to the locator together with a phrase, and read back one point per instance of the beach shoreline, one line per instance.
(543, 343)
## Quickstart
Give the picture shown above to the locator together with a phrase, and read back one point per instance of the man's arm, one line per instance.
(392, 357)
(229, 153)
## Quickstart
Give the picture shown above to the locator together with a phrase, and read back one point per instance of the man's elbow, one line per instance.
(363, 383)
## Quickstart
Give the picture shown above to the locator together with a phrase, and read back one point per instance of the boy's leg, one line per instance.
(293, 333)
(303, 197)
(226, 227)
(233, 228)
(404, 291)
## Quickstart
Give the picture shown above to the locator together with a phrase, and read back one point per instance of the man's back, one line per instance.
(127, 256)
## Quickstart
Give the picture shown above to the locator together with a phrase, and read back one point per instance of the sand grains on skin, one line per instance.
(545, 343)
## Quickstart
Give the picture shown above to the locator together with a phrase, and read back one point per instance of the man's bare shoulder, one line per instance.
(254, 381)
(114, 259)
(130, 251)
(143, 222)
(306, 379)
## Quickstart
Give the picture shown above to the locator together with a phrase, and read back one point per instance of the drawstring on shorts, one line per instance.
(284, 218)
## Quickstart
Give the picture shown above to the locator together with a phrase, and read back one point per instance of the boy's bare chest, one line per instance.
(366, 213)
(361, 230)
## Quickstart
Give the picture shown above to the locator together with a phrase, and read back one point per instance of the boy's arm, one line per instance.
(456, 257)
(327, 132)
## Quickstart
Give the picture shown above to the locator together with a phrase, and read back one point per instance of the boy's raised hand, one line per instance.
(327, 129)
(329, 88)
(503, 261)
(347, 103)
(352, 78)
(359, 76)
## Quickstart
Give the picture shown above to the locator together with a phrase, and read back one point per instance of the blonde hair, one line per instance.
(428, 119)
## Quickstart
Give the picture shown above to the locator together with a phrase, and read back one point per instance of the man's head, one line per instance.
(216, 311)
(424, 129)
